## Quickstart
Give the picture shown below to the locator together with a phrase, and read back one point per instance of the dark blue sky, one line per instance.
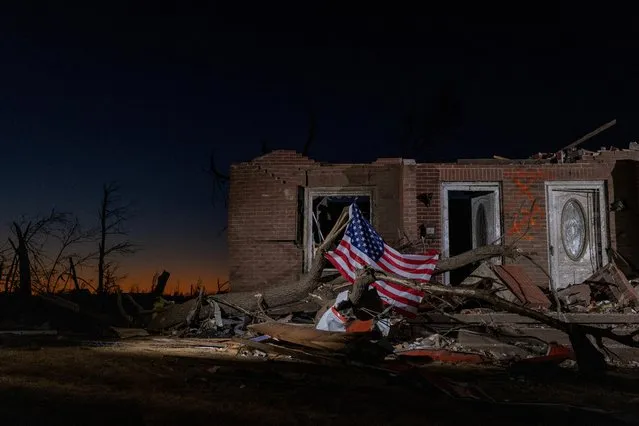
(144, 96)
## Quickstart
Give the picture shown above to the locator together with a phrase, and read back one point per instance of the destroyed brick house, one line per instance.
(571, 210)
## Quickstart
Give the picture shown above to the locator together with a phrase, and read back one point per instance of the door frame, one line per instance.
(600, 186)
(446, 187)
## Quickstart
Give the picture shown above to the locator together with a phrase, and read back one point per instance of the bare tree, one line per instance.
(68, 236)
(113, 236)
(40, 249)
(29, 242)
(9, 278)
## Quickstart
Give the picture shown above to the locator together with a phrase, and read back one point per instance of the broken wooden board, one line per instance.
(441, 355)
(307, 335)
(615, 283)
(127, 333)
(522, 286)
(578, 294)
(485, 273)
(288, 352)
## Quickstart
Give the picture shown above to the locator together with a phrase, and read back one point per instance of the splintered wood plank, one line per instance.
(522, 286)
(307, 335)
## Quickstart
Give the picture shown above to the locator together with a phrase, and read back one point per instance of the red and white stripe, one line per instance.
(348, 259)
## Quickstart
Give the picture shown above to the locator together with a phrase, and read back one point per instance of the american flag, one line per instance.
(362, 246)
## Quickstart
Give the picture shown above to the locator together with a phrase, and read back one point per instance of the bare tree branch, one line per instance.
(220, 183)
(113, 215)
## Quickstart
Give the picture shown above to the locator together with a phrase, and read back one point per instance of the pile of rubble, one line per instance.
(496, 315)
(453, 330)
(449, 331)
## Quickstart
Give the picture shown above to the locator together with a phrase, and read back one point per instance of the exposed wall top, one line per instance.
(284, 156)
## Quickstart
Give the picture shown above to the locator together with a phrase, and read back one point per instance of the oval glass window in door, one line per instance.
(573, 229)
(481, 236)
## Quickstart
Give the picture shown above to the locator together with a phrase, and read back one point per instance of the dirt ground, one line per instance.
(169, 382)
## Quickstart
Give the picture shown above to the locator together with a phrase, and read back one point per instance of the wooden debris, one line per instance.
(611, 280)
(274, 296)
(307, 335)
(589, 359)
(578, 294)
(127, 333)
(517, 281)
(442, 355)
(193, 313)
(291, 293)
(163, 279)
(291, 352)
(590, 135)
(485, 278)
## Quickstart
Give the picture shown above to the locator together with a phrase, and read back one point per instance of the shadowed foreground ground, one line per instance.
(138, 386)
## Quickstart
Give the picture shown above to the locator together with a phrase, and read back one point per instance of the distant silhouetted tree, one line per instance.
(70, 239)
(112, 236)
(21, 247)
(40, 248)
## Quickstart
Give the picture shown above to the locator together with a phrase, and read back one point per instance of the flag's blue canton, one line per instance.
(363, 236)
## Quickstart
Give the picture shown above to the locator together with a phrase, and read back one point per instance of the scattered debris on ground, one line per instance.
(447, 332)
(496, 317)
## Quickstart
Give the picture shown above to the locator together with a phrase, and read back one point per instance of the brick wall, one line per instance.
(523, 200)
(383, 178)
(265, 245)
(262, 226)
(428, 180)
(408, 200)
(264, 242)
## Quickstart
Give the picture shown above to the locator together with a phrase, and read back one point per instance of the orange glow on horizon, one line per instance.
(178, 283)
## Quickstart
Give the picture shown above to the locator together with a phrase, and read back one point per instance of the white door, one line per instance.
(485, 221)
(575, 231)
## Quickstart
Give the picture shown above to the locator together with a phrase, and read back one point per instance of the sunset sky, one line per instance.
(145, 96)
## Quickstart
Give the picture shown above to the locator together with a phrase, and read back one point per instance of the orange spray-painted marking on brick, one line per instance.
(527, 218)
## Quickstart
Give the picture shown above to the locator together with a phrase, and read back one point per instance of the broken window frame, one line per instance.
(313, 193)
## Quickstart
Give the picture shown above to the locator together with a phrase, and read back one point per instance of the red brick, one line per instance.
(263, 205)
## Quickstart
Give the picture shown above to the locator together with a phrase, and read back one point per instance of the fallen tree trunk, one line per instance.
(476, 255)
(459, 261)
(299, 290)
